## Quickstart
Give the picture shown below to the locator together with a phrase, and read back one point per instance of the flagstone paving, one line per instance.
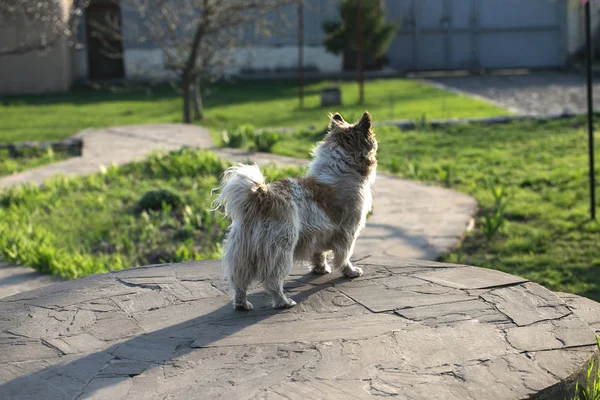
(412, 329)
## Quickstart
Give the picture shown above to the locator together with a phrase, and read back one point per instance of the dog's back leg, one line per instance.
(240, 281)
(239, 270)
(342, 251)
(278, 269)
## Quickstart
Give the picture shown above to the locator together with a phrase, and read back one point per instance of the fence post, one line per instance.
(590, 107)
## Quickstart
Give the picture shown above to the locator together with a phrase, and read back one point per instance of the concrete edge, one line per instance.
(73, 145)
(411, 125)
(442, 86)
(565, 389)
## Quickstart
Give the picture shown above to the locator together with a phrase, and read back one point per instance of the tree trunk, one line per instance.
(360, 53)
(186, 92)
(197, 101)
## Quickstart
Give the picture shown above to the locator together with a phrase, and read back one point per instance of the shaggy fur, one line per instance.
(299, 219)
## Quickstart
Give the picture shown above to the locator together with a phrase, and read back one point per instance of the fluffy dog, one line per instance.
(299, 219)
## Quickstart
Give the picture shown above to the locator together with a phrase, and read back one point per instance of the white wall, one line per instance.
(261, 58)
(149, 63)
(146, 64)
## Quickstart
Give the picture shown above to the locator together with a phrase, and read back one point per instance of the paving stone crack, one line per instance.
(138, 285)
(51, 346)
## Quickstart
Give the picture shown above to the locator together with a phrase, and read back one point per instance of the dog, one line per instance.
(299, 219)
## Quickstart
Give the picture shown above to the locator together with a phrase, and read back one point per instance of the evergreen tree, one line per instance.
(377, 33)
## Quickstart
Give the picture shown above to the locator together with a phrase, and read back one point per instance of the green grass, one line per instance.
(262, 104)
(542, 169)
(79, 226)
(10, 164)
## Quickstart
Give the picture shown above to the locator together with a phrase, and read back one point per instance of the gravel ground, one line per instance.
(533, 93)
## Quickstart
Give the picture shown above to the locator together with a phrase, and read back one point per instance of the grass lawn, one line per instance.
(541, 169)
(263, 104)
(10, 164)
(116, 219)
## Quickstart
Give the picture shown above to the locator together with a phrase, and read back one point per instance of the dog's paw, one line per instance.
(247, 306)
(286, 303)
(321, 270)
(352, 272)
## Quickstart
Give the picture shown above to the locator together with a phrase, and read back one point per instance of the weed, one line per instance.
(394, 165)
(591, 390)
(494, 218)
(413, 169)
(445, 175)
(422, 122)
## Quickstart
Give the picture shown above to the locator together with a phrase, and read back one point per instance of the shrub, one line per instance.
(240, 137)
(157, 199)
(233, 139)
(265, 141)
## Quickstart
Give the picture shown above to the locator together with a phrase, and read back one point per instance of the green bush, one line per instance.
(265, 141)
(157, 199)
(240, 137)
(233, 139)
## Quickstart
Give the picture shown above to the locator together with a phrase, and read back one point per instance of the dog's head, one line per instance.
(357, 142)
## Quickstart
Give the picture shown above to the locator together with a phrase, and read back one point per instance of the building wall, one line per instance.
(267, 53)
(34, 72)
(57, 69)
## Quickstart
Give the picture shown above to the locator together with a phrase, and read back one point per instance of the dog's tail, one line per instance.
(237, 189)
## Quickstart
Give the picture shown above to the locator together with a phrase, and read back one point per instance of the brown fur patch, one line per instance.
(274, 198)
(325, 196)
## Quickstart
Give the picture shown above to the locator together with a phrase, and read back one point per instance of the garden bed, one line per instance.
(15, 158)
(151, 211)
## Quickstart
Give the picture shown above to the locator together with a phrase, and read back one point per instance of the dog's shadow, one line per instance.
(154, 349)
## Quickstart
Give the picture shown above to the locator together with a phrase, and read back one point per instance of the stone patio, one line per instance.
(413, 329)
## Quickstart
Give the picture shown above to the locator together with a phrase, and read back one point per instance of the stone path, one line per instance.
(410, 220)
(537, 93)
(412, 329)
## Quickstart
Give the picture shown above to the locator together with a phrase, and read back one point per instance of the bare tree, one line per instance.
(198, 38)
(38, 25)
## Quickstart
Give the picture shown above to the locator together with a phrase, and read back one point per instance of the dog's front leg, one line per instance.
(341, 257)
(319, 264)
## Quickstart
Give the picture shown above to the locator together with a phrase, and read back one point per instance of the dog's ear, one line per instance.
(336, 119)
(365, 122)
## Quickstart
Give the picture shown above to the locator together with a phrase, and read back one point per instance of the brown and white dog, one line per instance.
(299, 219)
